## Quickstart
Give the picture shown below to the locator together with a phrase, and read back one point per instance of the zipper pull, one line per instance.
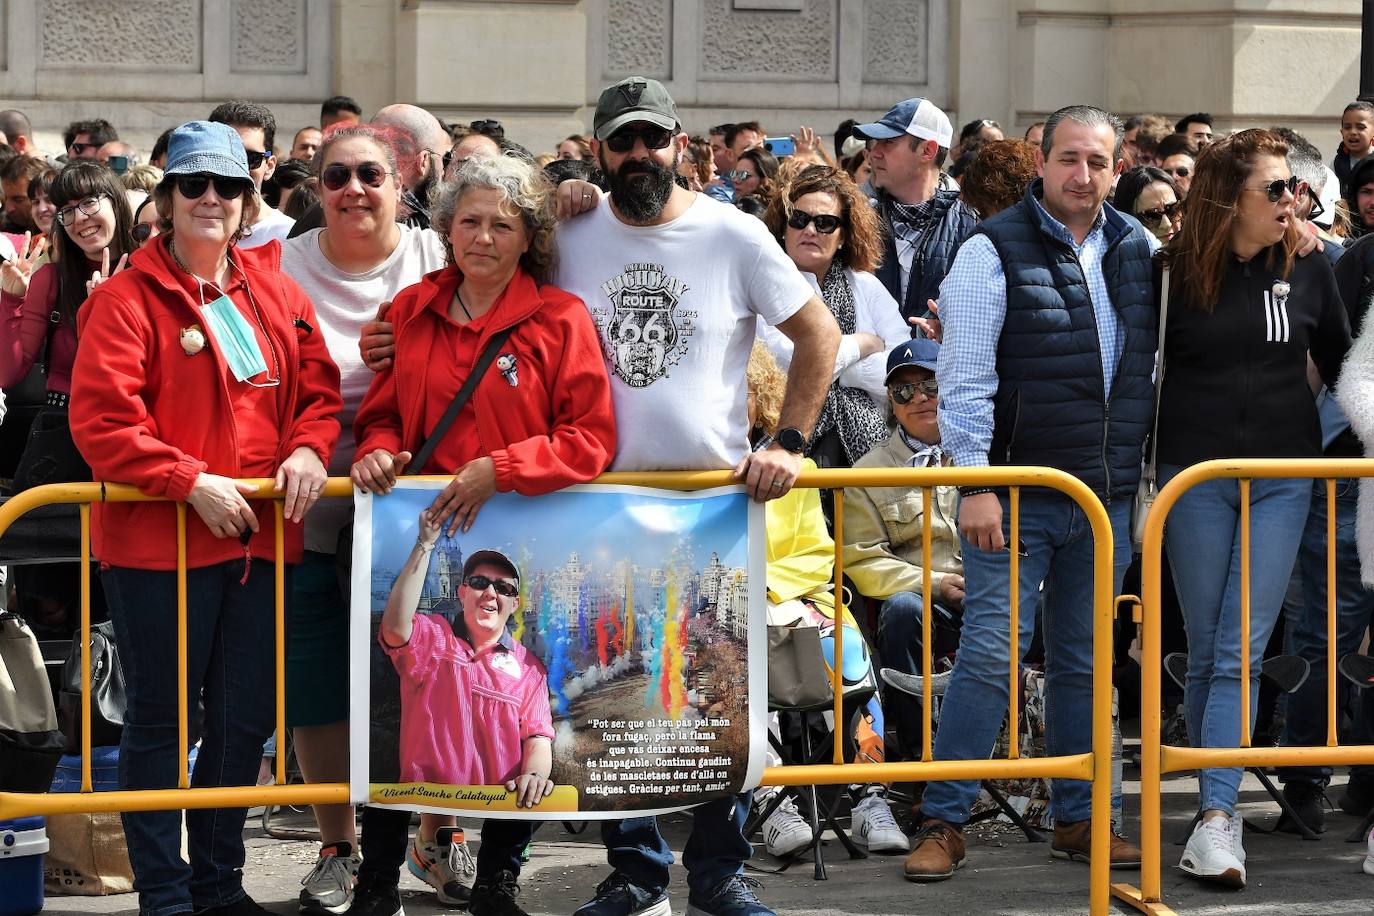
(244, 537)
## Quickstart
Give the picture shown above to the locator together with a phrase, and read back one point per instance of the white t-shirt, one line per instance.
(271, 224)
(677, 307)
(343, 304)
(875, 312)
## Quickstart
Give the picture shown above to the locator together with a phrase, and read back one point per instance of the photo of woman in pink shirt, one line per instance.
(474, 702)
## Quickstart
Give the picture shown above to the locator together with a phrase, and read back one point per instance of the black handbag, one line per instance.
(50, 455)
(108, 698)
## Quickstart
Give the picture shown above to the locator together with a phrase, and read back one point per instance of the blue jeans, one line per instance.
(1203, 540)
(229, 663)
(1058, 541)
(1306, 725)
(716, 848)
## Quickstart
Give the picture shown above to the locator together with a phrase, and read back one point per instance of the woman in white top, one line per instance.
(827, 227)
(351, 268)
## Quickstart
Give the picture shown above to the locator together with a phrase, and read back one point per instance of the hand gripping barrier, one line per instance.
(1157, 759)
(1094, 766)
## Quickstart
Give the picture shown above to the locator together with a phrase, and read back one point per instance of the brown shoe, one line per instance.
(1074, 842)
(939, 850)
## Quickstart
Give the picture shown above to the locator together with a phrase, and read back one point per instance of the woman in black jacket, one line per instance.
(1244, 313)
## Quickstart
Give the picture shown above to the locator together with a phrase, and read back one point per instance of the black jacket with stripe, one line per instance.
(1235, 377)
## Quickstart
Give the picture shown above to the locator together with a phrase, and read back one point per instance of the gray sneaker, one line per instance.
(329, 886)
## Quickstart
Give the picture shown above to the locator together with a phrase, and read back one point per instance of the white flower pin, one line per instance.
(192, 340)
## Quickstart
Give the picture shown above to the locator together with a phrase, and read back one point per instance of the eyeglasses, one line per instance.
(904, 392)
(193, 187)
(1178, 171)
(490, 127)
(622, 141)
(503, 588)
(142, 232)
(739, 175)
(825, 223)
(1159, 214)
(255, 158)
(87, 205)
(1275, 189)
(79, 148)
(371, 174)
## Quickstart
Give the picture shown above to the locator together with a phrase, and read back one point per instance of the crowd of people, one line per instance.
(904, 297)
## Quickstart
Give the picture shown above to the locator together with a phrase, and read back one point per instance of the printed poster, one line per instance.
(610, 623)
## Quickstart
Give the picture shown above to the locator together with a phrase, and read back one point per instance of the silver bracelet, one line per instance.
(423, 546)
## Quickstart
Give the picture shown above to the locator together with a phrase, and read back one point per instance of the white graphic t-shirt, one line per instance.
(677, 306)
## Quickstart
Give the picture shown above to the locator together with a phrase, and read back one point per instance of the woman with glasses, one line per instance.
(351, 267)
(40, 302)
(201, 364)
(755, 171)
(826, 226)
(538, 419)
(1244, 312)
(1150, 195)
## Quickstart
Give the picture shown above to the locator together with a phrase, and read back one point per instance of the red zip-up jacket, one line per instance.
(146, 412)
(555, 428)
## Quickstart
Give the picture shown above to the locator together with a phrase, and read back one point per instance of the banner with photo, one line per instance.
(599, 637)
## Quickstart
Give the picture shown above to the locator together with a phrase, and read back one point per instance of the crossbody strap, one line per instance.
(1159, 369)
(461, 398)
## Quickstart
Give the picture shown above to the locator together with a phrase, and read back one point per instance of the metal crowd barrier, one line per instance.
(1093, 766)
(1157, 759)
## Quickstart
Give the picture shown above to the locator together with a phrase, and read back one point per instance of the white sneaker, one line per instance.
(329, 886)
(1211, 853)
(1237, 828)
(445, 865)
(1369, 857)
(872, 825)
(785, 831)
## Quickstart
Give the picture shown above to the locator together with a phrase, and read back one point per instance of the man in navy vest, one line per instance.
(1049, 340)
(925, 221)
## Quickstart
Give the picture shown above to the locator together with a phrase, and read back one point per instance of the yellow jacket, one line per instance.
(883, 528)
(800, 551)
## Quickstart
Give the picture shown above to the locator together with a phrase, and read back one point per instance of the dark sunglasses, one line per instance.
(503, 588)
(193, 187)
(904, 392)
(825, 222)
(1178, 171)
(79, 148)
(622, 141)
(1317, 208)
(337, 175)
(490, 127)
(1275, 189)
(142, 232)
(1157, 215)
(255, 158)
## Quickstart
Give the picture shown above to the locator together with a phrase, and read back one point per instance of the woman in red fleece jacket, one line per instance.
(199, 364)
(539, 419)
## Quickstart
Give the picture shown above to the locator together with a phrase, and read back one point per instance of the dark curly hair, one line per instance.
(998, 176)
(862, 247)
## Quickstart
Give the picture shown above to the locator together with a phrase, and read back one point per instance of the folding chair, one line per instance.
(1359, 670)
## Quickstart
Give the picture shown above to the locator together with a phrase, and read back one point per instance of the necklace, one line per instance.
(463, 305)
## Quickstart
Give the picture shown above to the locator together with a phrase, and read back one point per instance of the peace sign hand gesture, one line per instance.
(16, 272)
(104, 273)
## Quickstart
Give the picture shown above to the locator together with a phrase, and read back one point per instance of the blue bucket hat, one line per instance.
(919, 351)
(205, 147)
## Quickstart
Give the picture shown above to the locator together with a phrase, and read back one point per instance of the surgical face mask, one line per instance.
(235, 337)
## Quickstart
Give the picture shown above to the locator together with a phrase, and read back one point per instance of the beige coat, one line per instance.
(883, 528)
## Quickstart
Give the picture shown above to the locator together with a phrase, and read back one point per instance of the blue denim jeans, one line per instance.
(1306, 724)
(1058, 543)
(229, 657)
(1203, 540)
(716, 848)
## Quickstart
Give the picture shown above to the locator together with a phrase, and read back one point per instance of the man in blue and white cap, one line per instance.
(925, 221)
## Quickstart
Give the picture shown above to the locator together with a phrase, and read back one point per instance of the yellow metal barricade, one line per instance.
(1157, 759)
(1094, 766)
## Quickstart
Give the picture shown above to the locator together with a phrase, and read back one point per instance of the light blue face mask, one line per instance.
(234, 336)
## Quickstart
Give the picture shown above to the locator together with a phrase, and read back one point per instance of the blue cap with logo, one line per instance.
(919, 118)
(919, 351)
(206, 148)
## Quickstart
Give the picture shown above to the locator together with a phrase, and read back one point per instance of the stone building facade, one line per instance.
(539, 64)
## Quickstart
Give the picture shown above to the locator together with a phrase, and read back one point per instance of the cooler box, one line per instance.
(23, 843)
(104, 771)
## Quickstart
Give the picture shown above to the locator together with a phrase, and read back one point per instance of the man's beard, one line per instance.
(640, 189)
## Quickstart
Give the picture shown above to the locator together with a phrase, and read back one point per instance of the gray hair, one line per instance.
(1088, 116)
(1305, 161)
(524, 187)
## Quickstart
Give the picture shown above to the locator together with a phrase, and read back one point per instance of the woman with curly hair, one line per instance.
(829, 230)
(997, 177)
(755, 172)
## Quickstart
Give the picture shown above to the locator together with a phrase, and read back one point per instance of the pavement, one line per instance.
(1004, 874)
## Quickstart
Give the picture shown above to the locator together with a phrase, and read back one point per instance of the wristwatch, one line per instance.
(791, 439)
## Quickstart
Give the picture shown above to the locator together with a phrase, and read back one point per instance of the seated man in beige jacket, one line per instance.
(883, 529)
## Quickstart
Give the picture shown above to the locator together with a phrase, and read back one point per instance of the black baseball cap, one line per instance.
(492, 558)
(635, 99)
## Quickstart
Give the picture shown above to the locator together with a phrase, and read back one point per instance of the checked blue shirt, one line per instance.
(973, 307)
